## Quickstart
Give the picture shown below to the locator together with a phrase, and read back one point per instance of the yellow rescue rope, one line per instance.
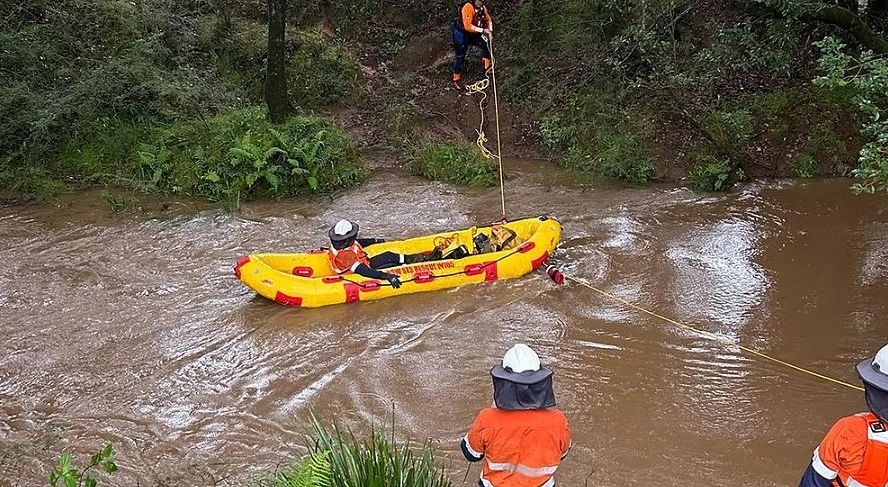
(481, 141)
(713, 336)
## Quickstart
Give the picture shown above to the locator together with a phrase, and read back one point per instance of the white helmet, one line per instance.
(521, 358)
(521, 382)
(342, 227)
(343, 234)
(875, 371)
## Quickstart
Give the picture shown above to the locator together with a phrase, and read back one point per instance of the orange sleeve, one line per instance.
(477, 436)
(488, 19)
(565, 440)
(843, 447)
(468, 12)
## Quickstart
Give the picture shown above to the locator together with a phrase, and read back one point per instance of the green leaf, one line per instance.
(273, 179)
(212, 177)
(313, 183)
(70, 481)
(90, 481)
(110, 466)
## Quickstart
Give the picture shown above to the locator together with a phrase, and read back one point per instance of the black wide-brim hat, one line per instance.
(872, 375)
(343, 241)
(525, 378)
(523, 390)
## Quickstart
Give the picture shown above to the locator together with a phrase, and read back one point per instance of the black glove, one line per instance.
(394, 281)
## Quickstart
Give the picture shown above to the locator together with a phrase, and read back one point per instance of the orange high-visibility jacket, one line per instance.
(347, 259)
(519, 448)
(474, 20)
(854, 452)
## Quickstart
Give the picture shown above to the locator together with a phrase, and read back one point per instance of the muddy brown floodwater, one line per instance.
(132, 329)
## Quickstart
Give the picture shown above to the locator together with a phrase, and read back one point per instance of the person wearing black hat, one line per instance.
(347, 254)
(523, 439)
(854, 452)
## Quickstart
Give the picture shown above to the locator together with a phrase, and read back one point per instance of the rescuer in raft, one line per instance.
(471, 24)
(347, 254)
(524, 438)
(854, 452)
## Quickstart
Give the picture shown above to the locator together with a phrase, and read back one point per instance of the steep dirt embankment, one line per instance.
(416, 81)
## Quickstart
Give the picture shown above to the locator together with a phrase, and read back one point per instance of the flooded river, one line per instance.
(133, 329)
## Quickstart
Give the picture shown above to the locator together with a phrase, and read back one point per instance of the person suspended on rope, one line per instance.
(472, 23)
(854, 452)
(523, 439)
(347, 254)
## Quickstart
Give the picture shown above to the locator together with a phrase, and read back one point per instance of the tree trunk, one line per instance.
(276, 71)
(848, 20)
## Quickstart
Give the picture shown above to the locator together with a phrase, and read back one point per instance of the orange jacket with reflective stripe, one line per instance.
(347, 259)
(472, 18)
(855, 452)
(520, 448)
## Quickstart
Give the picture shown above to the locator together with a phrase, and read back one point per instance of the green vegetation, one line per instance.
(709, 174)
(458, 163)
(336, 458)
(67, 475)
(729, 80)
(805, 166)
(240, 156)
(152, 95)
(866, 77)
(596, 141)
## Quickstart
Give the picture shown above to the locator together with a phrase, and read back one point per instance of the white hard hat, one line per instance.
(521, 358)
(342, 227)
(875, 371)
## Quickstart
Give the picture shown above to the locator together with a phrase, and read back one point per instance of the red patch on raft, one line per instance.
(303, 271)
(240, 263)
(536, 263)
(288, 300)
(352, 292)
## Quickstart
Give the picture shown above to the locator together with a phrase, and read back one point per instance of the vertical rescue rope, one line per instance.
(499, 148)
(481, 87)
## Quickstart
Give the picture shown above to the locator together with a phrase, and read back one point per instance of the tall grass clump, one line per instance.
(458, 163)
(337, 458)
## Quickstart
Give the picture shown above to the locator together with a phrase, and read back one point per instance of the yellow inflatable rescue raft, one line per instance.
(308, 279)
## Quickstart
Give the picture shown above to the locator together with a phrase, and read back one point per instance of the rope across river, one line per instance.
(713, 336)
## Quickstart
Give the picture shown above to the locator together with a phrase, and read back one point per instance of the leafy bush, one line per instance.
(240, 156)
(867, 78)
(805, 166)
(614, 155)
(321, 71)
(314, 470)
(555, 134)
(710, 174)
(729, 128)
(80, 64)
(70, 476)
(459, 163)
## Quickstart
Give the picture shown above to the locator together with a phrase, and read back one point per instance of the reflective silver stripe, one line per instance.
(853, 483)
(880, 437)
(521, 469)
(821, 467)
(475, 454)
(549, 483)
